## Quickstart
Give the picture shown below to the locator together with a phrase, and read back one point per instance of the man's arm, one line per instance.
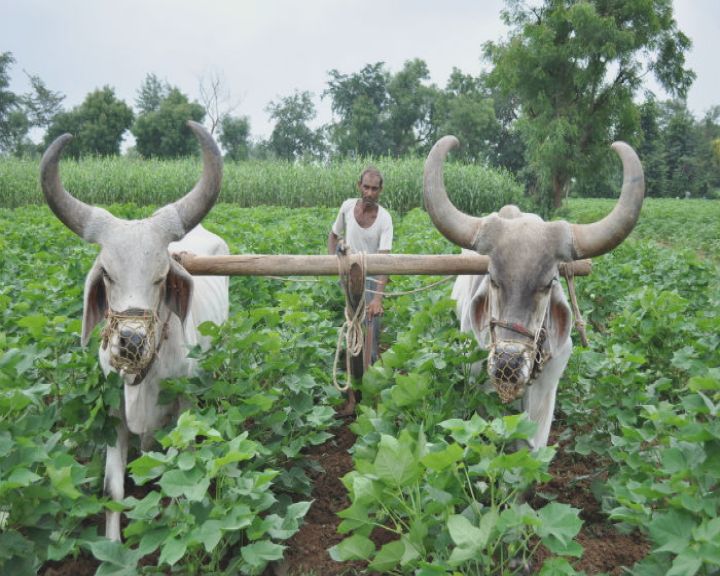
(332, 243)
(375, 307)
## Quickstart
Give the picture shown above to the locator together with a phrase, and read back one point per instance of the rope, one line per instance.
(352, 329)
(579, 322)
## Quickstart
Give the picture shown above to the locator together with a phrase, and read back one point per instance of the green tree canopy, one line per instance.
(574, 67)
(151, 94)
(291, 137)
(98, 124)
(235, 137)
(163, 132)
(21, 112)
(360, 102)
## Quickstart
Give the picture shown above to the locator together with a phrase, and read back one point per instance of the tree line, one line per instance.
(567, 81)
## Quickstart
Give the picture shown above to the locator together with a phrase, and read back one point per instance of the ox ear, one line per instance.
(560, 318)
(95, 302)
(479, 315)
(178, 290)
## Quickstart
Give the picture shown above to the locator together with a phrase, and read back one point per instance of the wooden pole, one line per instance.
(375, 264)
(380, 264)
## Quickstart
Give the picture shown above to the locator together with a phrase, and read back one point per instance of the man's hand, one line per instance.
(375, 308)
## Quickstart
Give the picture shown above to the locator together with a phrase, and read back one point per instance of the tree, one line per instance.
(361, 102)
(681, 152)
(235, 137)
(291, 137)
(574, 68)
(410, 106)
(163, 132)
(216, 99)
(20, 113)
(151, 94)
(98, 124)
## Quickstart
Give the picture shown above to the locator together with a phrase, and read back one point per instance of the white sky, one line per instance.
(265, 49)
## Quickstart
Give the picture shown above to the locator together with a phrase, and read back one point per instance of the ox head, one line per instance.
(519, 311)
(133, 275)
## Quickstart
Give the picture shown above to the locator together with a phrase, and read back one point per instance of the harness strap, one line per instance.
(163, 336)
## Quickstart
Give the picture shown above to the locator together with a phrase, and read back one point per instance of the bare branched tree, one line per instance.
(216, 98)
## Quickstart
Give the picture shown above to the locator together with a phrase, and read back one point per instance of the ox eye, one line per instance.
(159, 281)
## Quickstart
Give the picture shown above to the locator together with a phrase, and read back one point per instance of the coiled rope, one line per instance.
(351, 330)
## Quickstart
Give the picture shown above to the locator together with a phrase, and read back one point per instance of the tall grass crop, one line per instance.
(475, 189)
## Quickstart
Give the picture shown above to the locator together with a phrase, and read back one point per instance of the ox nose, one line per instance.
(508, 367)
(132, 343)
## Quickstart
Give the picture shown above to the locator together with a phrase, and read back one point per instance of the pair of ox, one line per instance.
(151, 305)
(518, 310)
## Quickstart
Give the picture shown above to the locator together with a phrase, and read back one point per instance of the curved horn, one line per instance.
(600, 237)
(75, 214)
(456, 226)
(193, 207)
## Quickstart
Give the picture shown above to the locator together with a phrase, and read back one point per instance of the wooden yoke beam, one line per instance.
(380, 264)
(375, 264)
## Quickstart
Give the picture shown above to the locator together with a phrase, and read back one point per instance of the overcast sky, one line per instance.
(264, 50)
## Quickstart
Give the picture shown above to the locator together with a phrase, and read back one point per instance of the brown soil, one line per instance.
(605, 549)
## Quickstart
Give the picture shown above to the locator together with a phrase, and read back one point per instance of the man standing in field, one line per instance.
(365, 226)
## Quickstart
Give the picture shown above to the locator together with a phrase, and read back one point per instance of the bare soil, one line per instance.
(605, 549)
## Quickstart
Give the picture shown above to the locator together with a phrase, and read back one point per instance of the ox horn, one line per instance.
(75, 214)
(600, 237)
(456, 226)
(193, 207)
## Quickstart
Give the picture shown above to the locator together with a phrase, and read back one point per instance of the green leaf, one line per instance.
(410, 388)
(559, 521)
(557, 567)
(687, 563)
(445, 458)
(61, 480)
(356, 547)
(172, 551)
(114, 553)
(259, 553)
(464, 534)
(395, 462)
(151, 540)
(189, 483)
(388, 557)
(671, 531)
(145, 509)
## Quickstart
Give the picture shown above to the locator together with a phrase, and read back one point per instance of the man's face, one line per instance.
(370, 188)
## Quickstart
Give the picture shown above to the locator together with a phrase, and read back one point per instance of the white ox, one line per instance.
(518, 310)
(151, 305)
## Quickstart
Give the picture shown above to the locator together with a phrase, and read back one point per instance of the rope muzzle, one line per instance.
(133, 338)
(513, 364)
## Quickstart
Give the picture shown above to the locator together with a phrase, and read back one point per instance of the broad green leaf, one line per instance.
(388, 557)
(410, 388)
(258, 554)
(560, 521)
(671, 531)
(557, 567)
(687, 563)
(442, 459)
(114, 553)
(356, 547)
(395, 461)
(172, 551)
(61, 479)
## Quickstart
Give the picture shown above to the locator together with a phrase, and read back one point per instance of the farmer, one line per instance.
(365, 226)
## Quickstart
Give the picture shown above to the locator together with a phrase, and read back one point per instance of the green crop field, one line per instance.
(434, 484)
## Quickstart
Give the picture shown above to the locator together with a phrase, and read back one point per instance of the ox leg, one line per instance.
(115, 464)
(539, 403)
(539, 399)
